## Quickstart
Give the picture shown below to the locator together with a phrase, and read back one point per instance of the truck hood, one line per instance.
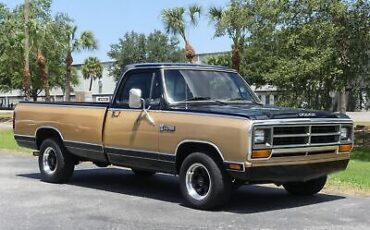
(255, 111)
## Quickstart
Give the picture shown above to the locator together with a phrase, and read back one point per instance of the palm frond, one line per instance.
(86, 41)
(215, 13)
(195, 12)
(92, 68)
(173, 20)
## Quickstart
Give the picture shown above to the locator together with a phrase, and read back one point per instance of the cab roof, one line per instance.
(177, 65)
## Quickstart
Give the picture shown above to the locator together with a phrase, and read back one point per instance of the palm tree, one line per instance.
(86, 41)
(174, 23)
(232, 21)
(92, 69)
(26, 67)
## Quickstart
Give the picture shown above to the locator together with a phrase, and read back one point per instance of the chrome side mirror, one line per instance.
(134, 100)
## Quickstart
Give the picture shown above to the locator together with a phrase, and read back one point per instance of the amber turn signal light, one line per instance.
(345, 148)
(238, 167)
(264, 153)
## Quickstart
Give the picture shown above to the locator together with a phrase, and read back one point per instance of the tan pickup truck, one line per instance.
(200, 122)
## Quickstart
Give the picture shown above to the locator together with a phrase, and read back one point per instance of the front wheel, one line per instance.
(56, 165)
(306, 188)
(204, 184)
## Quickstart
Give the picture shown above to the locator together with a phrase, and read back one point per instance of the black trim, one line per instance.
(141, 154)
(87, 104)
(289, 173)
(144, 160)
(178, 65)
(88, 151)
(26, 142)
(93, 147)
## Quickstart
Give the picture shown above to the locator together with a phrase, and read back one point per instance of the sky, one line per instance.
(111, 19)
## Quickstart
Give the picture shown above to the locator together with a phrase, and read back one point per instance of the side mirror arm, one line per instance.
(147, 115)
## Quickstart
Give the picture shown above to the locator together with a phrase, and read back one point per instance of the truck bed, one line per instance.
(79, 124)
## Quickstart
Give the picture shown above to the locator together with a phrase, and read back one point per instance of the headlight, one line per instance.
(259, 136)
(345, 133)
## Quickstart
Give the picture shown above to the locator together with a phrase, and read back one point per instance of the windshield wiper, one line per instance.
(198, 99)
(244, 100)
(205, 99)
(238, 99)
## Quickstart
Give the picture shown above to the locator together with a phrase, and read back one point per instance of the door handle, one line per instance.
(115, 113)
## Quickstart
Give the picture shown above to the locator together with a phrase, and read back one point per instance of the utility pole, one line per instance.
(26, 67)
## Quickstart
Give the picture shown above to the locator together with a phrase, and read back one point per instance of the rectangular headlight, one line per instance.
(259, 136)
(345, 133)
(262, 136)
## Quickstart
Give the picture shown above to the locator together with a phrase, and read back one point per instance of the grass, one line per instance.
(7, 142)
(355, 179)
(6, 115)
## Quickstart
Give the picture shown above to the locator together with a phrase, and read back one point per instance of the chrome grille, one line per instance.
(298, 138)
(285, 136)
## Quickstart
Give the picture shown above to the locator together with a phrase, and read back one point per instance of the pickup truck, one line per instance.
(202, 123)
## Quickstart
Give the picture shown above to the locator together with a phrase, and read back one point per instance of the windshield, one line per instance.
(203, 85)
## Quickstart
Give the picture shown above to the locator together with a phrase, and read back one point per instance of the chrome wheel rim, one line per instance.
(198, 181)
(49, 160)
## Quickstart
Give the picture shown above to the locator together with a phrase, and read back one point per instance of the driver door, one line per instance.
(130, 138)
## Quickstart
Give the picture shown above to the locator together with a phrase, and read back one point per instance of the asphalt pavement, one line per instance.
(113, 198)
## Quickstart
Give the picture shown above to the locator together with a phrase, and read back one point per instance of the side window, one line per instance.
(156, 90)
(149, 84)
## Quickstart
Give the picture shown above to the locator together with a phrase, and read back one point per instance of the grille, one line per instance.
(302, 139)
(305, 135)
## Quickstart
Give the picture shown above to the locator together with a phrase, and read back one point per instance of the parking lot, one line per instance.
(112, 198)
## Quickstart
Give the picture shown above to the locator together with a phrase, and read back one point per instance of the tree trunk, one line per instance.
(41, 62)
(26, 68)
(342, 101)
(189, 52)
(34, 95)
(69, 61)
(27, 81)
(91, 81)
(235, 59)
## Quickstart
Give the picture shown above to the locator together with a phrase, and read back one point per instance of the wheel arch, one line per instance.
(45, 132)
(186, 147)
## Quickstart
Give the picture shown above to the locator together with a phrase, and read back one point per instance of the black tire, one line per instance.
(140, 172)
(208, 190)
(59, 165)
(306, 188)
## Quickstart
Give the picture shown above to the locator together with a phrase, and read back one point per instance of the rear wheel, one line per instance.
(56, 165)
(204, 184)
(306, 188)
(140, 172)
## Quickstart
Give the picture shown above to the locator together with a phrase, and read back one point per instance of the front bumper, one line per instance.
(289, 173)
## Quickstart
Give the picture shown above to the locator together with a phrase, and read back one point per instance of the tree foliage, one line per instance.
(177, 19)
(47, 48)
(92, 69)
(307, 48)
(220, 60)
(232, 21)
(137, 48)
